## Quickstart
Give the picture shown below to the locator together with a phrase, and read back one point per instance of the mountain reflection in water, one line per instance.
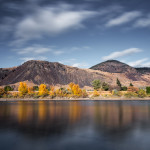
(75, 125)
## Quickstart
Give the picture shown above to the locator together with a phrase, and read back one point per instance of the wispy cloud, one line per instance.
(74, 63)
(33, 50)
(124, 18)
(119, 54)
(38, 50)
(140, 63)
(80, 65)
(24, 59)
(51, 21)
(142, 22)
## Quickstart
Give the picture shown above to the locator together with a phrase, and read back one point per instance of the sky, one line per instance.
(78, 33)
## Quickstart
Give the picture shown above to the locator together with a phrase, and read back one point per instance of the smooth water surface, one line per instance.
(75, 125)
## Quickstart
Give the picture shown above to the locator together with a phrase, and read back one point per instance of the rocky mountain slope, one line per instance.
(50, 73)
(114, 66)
(4, 72)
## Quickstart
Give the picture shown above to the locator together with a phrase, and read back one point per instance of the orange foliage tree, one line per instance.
(42, 90)
(96, 93)
(30, 91)
(76, 90)
(23, 89)
(133, 89)
(52, 92)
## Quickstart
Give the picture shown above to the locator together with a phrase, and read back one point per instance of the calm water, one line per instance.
(75, 125)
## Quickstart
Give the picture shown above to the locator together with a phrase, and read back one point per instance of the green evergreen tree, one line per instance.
(96, 84)
(131, 84)
(119, 83)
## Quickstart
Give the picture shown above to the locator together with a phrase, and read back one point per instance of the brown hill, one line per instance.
(38, 72)
(50, 73)
(145, 70)
(114, 66)
(4, 72)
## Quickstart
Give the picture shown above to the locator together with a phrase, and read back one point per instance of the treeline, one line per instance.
(119, 90)
(101, 89)
(24, 91)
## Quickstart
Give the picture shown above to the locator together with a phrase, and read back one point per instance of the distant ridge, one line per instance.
(38, 72)
(114, 66)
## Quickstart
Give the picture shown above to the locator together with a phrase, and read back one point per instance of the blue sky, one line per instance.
(79, 33)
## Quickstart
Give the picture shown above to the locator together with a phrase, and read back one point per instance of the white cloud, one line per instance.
(38, 50)
(124, 18)
(51, 21)
(33, 50)
(143, 22)
(24, 59)
(119, 54)
(138, 63)
(58, 52)
(80, 65)
(68, 61)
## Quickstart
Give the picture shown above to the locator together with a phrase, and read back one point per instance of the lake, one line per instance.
(75, 125)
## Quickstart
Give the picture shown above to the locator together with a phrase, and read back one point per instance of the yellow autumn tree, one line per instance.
(76, 90)
(30, 91)
(71, 85)
(52, 92)
(23, 89)
(42, 90)
(96, 93)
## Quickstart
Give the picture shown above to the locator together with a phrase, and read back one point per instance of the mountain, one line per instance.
(114, 66)
(4, 72)
(145, 70)
(38, 72)
(51, 73)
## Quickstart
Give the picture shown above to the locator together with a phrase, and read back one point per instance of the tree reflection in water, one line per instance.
(85, 119)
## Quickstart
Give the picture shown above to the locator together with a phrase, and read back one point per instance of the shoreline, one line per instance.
(73, 99)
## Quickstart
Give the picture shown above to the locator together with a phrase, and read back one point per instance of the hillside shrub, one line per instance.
(130, 94)
(116, 93)
(142, 93)
(105, 86)
(96, 84)
(124, 88)
(35, 88)
(132, 89)
(96, 93)
(84, 94)
(2, 92)
(148, 90)
(8, 88)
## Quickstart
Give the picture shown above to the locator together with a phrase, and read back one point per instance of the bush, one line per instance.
(96, 84)
(15, 94)
(2, 92)
(36, 95)
(35, 88)
(142, 93)
(124, 88)
(131, 94)
(133, 89)
(105, 86)
(148, 90)
(8, 88)
(96, 93)
(84, 94)
(116, 93)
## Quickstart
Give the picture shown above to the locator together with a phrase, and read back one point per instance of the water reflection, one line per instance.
(82, 120)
